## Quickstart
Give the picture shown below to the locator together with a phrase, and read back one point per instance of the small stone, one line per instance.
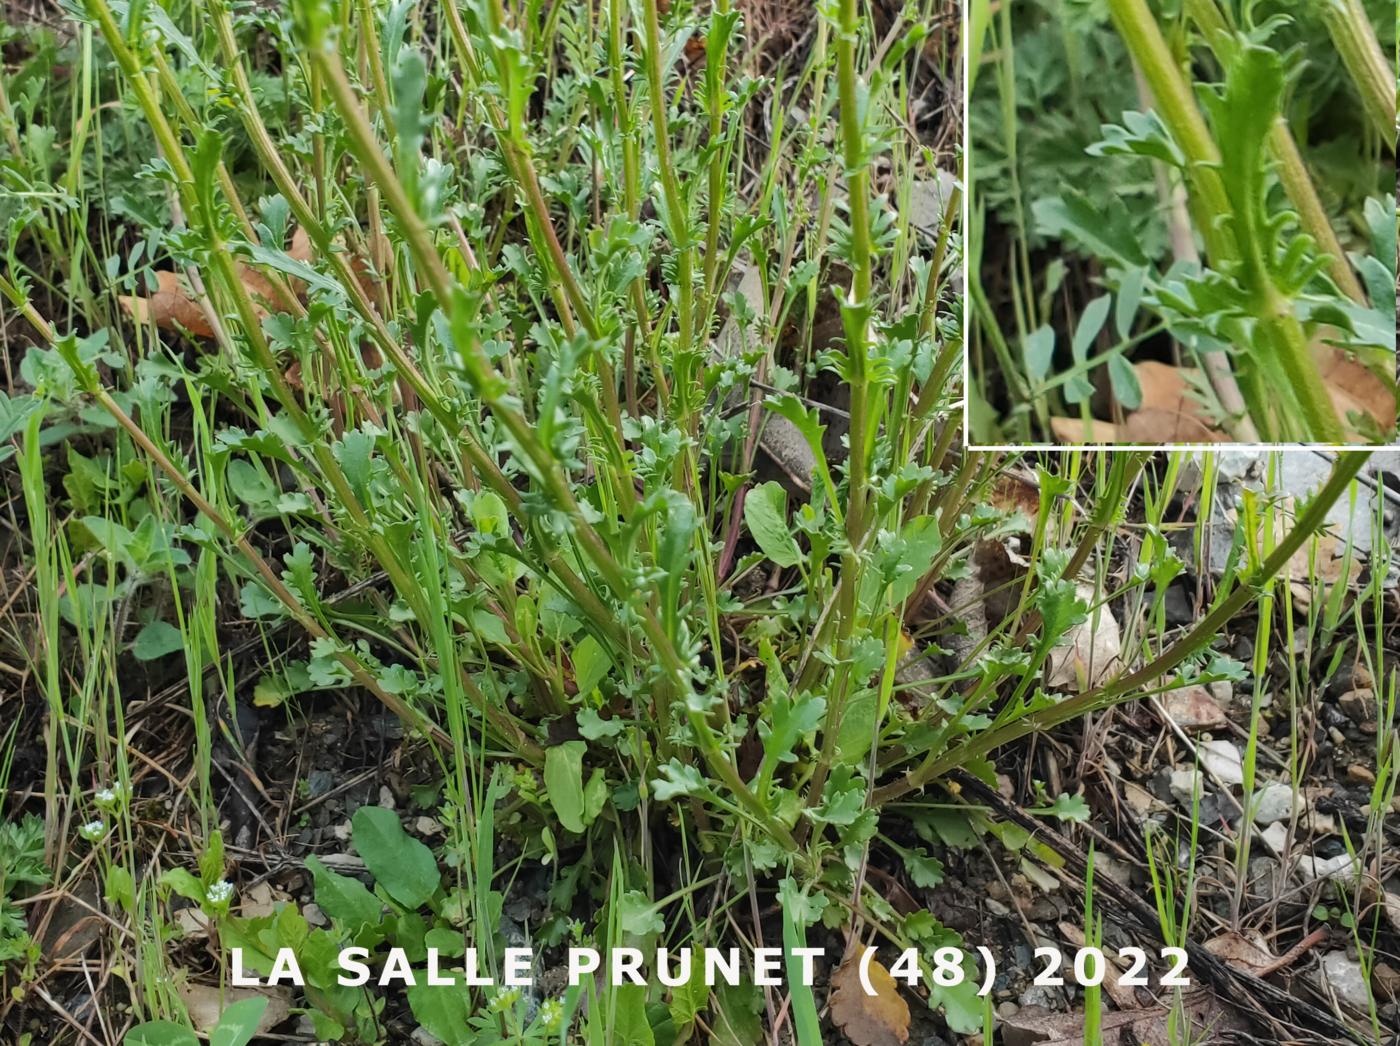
(313, 914)
(1338, 868)
(1359, 705)
(428, 826)
(1361, 678)
(1274, 802)
(1222, 759)
(1343, 976)
(341, 831)
(386, 797)
(1010, 1009)
(1186, 786)
(1192, 708)
(1138, 797)
(1360, 775)
(1275, 837)
(1338, 738)
(1222, 691)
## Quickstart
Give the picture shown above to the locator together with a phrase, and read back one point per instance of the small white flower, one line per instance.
(504, 999)
(111, 797)
(93, 830)
(221, 892)
(551, 1014)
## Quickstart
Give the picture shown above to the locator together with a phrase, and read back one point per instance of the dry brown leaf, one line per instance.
(1153, 427)
(1241, 952)
(1089, 653)
(1165, 387)
(1354, 388)
(170, 307)
(1205, 1013)
(206, 1004)
(1192, 708)
(881, 1019)
(1014, 491)
(1071, 430)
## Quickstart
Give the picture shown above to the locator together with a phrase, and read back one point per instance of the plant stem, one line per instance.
(1370, 71)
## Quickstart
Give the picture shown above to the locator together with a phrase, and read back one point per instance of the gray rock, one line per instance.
(1274, 802)
(1344, 977)
(1222, 758)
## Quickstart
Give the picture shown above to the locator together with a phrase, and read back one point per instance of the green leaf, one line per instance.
(638, 915)
(924, 870)
(160, 1033)
(631, 1026)
(1129, 300)
(677, 779)
(737, 1022)
(345, 899)
(156, 639)
(120, 888)
(798, 914)
(1124, 380)
(401, 864)
(239, 1023)
(1091, 322)
(1039, 351)
(1108, 234)
(765, 514)
(563, 782)
(444, 1010)
(1066, 807)
(183, 883)
(591, 664)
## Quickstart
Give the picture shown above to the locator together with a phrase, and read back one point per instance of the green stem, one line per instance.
(1373, 75)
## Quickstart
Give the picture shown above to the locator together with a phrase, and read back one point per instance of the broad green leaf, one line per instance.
(563, 782)
(1124, 380)
(239, 1023)
(160, 1033)
(676, 779)
(345, 899)
(401, 864)
(1040, 353)
(1091, 322)
(638, 915)
(156, 639)
(765, 513)
(444, 1010)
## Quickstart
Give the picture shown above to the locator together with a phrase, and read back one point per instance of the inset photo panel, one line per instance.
(1181, 222)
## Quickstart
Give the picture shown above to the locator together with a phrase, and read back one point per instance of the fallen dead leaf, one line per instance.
(1072, 430)
(1354, 388)
(1014, 491)
(1168, 426)
(1241, 952)
(170, 307)
(1153, 1026)
(1192, 708)
(205, 1004)
(881, 1019)
(75, 925)
(1089, 653)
